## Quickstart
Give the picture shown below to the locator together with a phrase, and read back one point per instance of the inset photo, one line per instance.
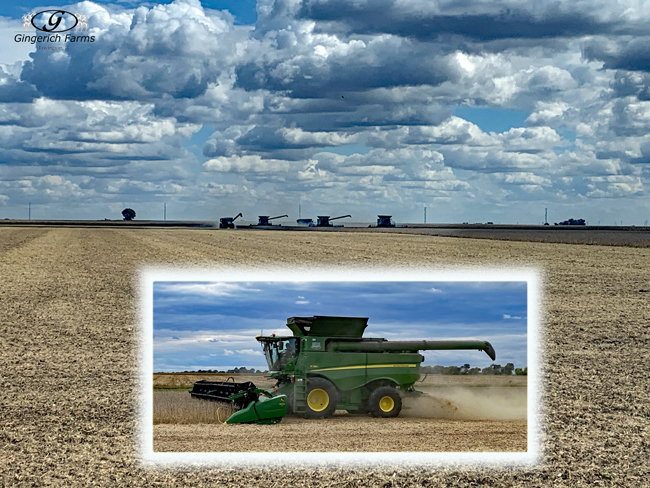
(396, 366)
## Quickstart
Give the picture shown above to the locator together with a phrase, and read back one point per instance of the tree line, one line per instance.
(493, 369)
(234, 370)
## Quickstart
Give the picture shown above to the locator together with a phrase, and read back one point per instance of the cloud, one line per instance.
(434, 290)
(228, 352)
(175, 104)
(302, 302)
(478, 21)
(217, 289)
(250, 352)
(511, 317)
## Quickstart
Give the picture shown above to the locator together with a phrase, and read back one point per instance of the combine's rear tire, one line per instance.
(385, 402)
(322, 398)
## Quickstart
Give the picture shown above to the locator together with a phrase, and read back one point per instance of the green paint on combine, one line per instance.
(327, 365)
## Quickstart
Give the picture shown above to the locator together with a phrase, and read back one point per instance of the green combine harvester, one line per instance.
(328, 365)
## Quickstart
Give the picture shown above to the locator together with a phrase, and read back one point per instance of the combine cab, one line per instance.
(327, 365)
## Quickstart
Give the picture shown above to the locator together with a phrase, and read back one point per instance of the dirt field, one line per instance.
(470, 414)
(68, 309)
(346, 433)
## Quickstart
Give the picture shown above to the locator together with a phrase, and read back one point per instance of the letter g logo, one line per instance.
(54, 21)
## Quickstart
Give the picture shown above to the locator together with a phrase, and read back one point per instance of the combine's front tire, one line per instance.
(322, 398)
(385, 402)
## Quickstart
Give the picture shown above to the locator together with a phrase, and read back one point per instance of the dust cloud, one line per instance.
(469, 404)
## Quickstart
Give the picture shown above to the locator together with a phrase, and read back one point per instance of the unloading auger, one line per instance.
(327, 365)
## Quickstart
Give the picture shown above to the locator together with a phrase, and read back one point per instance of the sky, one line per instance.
(212, 325)
(479, 111)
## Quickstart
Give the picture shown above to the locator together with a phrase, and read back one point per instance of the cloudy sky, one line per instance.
(201, 325)
(478, 110)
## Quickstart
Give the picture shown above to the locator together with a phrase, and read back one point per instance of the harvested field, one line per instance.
(346, 433)
(471, 414)
(630, 236)
(68, 300)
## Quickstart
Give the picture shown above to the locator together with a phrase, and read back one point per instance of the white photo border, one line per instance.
(336, 459)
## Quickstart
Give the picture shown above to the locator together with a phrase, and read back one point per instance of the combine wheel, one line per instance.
(385, 402)
(322, 398)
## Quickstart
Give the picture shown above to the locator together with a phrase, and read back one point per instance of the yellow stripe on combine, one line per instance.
(369, 366)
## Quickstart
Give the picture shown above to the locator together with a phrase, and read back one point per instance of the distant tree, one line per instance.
(128, 214)
(508, 368)
(453, 370)
(493, 369)
(437, 369)
(464, 369)
(521, 372)
(573, 222)
(474, 371)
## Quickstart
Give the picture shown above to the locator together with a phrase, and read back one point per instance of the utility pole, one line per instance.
(30, 211)
(545, 216)
(164, 211)
(425, 215)
(299, 211)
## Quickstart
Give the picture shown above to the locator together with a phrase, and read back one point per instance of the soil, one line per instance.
(70, 349)
(345, 433)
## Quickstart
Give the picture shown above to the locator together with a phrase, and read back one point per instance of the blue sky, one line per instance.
(200, 325)
(479, 112)
(243, 10)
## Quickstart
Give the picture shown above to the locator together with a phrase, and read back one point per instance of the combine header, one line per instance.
(327, 365)
(255, 405)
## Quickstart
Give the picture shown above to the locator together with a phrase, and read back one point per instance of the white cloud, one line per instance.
(131, 122)
(218, 289)
(249, 352)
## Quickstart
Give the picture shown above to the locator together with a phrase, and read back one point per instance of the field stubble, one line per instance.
(494, 409)
(68, 301)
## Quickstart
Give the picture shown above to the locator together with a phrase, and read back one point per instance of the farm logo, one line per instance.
(54, 21)
(54, 26)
